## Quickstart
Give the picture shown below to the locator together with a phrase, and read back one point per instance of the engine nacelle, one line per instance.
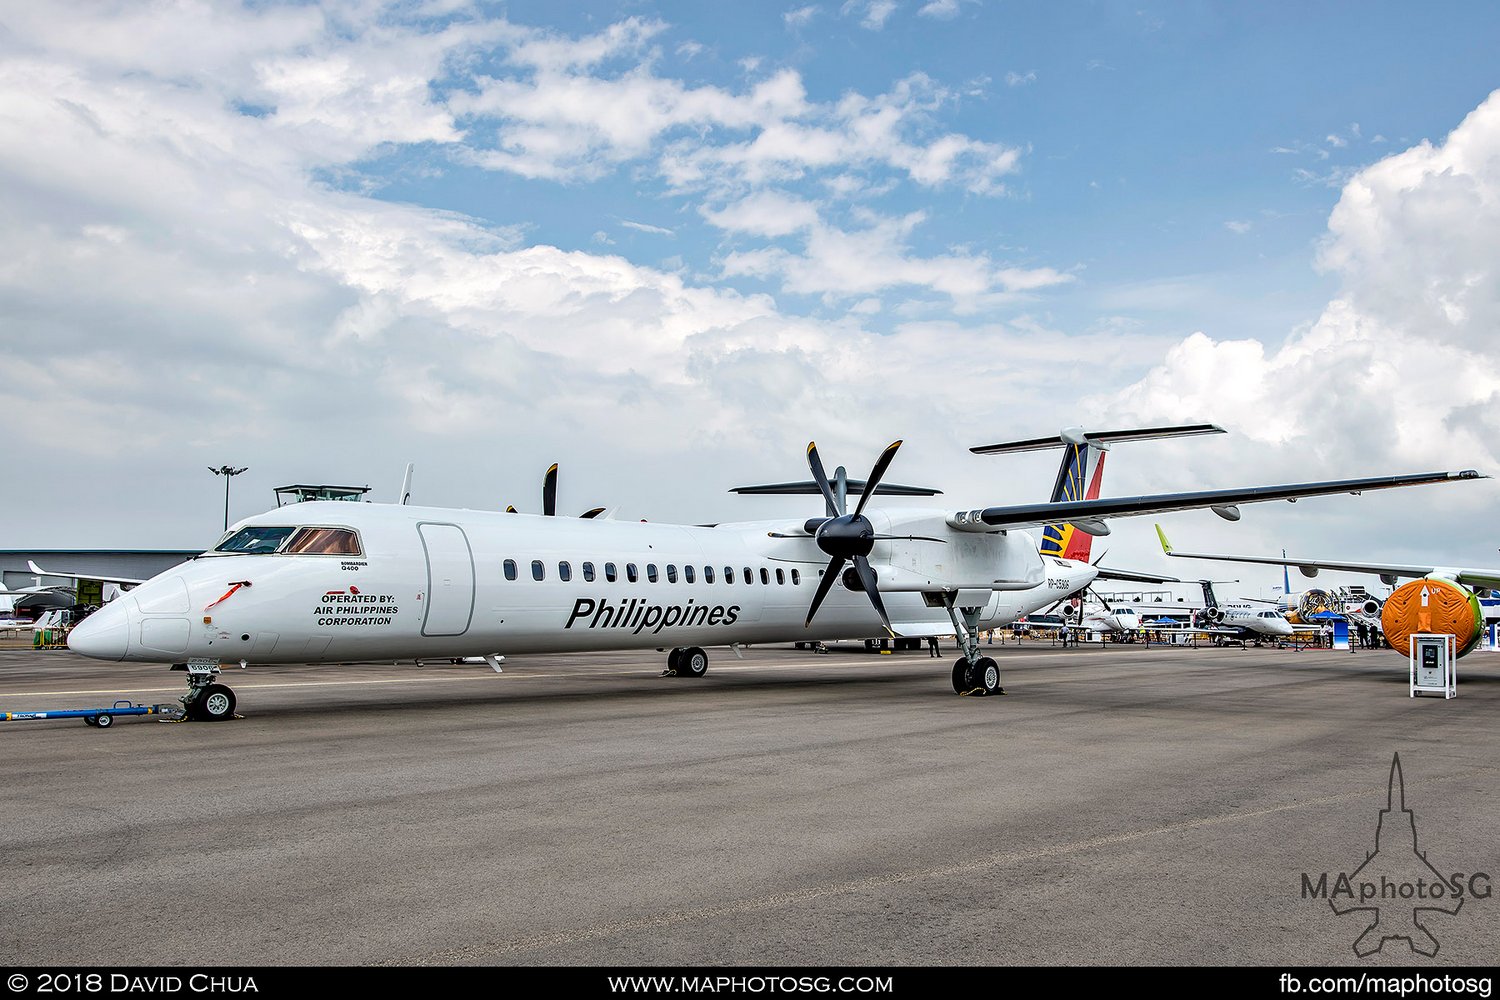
(1435, 606)
(1215, 615)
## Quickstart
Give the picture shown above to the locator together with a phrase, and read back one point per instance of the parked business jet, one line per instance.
(336, 582)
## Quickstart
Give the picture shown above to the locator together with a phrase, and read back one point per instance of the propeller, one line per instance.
(847, 537)
(549, 498)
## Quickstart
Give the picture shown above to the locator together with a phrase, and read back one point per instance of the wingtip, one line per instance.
(1166, 546)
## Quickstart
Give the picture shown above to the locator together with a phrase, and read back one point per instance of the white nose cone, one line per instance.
(104, 635)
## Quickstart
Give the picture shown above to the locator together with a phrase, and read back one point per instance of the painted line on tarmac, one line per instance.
(478, 953)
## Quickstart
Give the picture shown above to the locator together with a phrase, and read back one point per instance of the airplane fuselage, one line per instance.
(437, 582)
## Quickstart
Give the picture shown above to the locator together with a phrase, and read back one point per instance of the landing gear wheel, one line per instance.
(214, 704)
(986, 676)
(104, 720)
(961, 676)
(674, 660)
(692, 662)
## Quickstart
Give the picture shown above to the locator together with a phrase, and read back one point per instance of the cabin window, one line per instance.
(687, 573)
(588, 572)
(781, 578)
(631, 573)
(323, 542)
(728, 574)
(610, 573)
(796, 578)
(564, 571)
(510, 569)
(671, 573)
(749, 576)
(255, 540)
(651, 572)
(765, 576)
(538, 571)
(708, 574)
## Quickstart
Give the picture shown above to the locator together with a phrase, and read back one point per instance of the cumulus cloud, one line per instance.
(1398, 372)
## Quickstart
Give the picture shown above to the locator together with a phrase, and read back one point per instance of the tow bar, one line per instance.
(99, 718)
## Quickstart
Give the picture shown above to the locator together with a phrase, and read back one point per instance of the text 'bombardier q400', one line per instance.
(347, 582)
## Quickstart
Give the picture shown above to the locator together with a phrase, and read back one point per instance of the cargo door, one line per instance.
(450, 579)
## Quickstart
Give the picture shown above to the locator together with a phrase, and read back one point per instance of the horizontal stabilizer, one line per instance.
(1077, 435)
(1105, 573)
(856, 487)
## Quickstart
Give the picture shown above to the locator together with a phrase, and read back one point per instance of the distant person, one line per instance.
(1063, 634)
(932, 647)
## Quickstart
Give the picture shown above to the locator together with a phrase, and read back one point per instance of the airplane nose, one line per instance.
(103, 635)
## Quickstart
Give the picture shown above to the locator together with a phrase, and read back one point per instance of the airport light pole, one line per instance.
(228, 472)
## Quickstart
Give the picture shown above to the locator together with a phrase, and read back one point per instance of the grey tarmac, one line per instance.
(1119, 805)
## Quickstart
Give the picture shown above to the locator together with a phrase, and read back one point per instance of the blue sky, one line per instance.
(322, 240)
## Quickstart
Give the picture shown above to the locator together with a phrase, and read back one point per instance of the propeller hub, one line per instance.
(848, 536)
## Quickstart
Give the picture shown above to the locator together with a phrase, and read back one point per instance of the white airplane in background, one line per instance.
(324, 581)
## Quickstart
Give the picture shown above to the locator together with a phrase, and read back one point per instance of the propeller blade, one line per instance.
(867, 578)
(549, 491)
(881, 464)
(1054, 606)
(592, 512)
(780, 534)
(821, 478)
(824, 585)
(1100, 598)
(510, 509)
(908, 538)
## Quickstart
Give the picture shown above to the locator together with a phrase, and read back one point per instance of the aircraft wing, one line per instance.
(1091, 513)
(123, 580)
(1389, 572)
(1105, 573)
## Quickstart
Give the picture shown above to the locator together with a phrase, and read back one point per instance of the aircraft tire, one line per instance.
(961, 676)
(674, 658)
(215, 704)
(692, 662)
(986, 675)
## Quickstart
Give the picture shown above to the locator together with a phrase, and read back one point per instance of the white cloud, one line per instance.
(872, 14)
(942, 10)
(1239, 227)
(1398, 373)
(843, 264)
(1014, 79)
(800, 16)
(765, 213)
(642, 227)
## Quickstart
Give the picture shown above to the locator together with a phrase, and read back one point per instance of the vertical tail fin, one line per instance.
(1083, 454)
(1209, 601)
(1065, 540)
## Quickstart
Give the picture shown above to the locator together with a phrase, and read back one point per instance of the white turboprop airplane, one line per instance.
(339, 582)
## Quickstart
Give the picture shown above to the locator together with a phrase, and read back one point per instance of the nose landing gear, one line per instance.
(206, 701)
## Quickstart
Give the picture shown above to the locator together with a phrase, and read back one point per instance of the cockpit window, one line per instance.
(324, 542)
(260, 540)
(255, 540)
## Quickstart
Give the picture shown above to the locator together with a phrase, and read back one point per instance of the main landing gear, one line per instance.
(972, 674)
(205, 700)
(687, 661)
(979, 677)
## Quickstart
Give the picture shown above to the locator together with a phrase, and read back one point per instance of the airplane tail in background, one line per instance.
(1081, 473)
